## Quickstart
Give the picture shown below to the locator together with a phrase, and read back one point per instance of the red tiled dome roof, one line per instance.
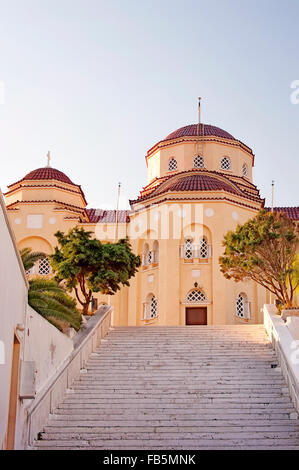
(200, 183)
(47, 173)
(107, 216)
(291, 212)
(204, 129)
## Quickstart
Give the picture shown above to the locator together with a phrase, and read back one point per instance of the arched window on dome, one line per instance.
(225, 164)
(242, 306)
(150, 307)
(244, 169)
(172, 164)
(198, 162)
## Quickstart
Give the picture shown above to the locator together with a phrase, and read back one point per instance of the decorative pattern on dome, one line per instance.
(204, 129)
(47, 173)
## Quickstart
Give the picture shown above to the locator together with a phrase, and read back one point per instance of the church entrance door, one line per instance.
(196, 316)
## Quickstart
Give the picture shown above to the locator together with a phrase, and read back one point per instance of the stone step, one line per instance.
(222, 400)
(215, 387)
(211, 428)
(92, 415)
(173, 443)
(116, 408)
(244, 421)
(170, 412)
(199, 393)
(146, 446)
(88, 381)
(202, 436)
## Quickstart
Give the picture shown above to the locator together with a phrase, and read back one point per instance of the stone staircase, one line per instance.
(181, 387)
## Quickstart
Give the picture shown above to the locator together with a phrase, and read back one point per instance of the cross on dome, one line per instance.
(49, 158)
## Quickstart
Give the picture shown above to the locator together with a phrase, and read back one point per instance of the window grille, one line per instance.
(204, 249)
(153, 307)
(155, 252)
(244, 169)
(145, 255)
(198, 162)
(44, 267)
(242, 306)
(225, 163)
(172, 164)
(150, 257)
(188, 252)
(196, 296)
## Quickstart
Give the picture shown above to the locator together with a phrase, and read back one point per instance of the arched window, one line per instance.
(225, 163)
(242, 306)
(44, 267)
(156, 252)
(172, 164)
(150, 307)
(145, 255)
(244, 169)
(188, 248)
(203, 248)
(153, 307)
(198, 162)
(196, 296)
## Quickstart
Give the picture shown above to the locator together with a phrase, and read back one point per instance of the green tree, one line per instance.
(52, 302)
(87, 265)
(30, 257)
(264, 250)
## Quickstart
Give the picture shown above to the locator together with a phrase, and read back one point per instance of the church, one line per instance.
(199, 186)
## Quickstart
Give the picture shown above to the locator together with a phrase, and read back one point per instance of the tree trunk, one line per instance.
(85, 308)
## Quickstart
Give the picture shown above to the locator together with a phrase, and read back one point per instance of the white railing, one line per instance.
(85, 342)
(195, 252)
(286, 348)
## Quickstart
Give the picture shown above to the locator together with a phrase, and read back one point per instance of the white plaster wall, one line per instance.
(40, 341)
(286, 347)
(46, 346)
(13, 295)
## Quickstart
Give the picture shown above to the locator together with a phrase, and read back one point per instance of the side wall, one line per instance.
(13, 294)
(46, 346)
(39, 341)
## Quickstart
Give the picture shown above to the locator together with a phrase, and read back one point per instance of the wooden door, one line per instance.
(196, 316)
(13, 398)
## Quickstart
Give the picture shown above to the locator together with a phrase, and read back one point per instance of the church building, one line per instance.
(199, 186)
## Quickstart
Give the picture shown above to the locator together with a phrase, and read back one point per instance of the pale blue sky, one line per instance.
(99, 82)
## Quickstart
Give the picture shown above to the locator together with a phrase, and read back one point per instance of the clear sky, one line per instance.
(99, 82)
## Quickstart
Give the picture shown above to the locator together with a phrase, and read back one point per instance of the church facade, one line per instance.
(199, 186)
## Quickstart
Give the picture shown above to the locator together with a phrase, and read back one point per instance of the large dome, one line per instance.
(47, 173)
(204, 129)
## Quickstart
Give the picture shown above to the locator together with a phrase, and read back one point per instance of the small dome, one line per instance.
(47, 173)
(204, 129)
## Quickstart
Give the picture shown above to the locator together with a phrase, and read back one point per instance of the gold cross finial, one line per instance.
(48, 157)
